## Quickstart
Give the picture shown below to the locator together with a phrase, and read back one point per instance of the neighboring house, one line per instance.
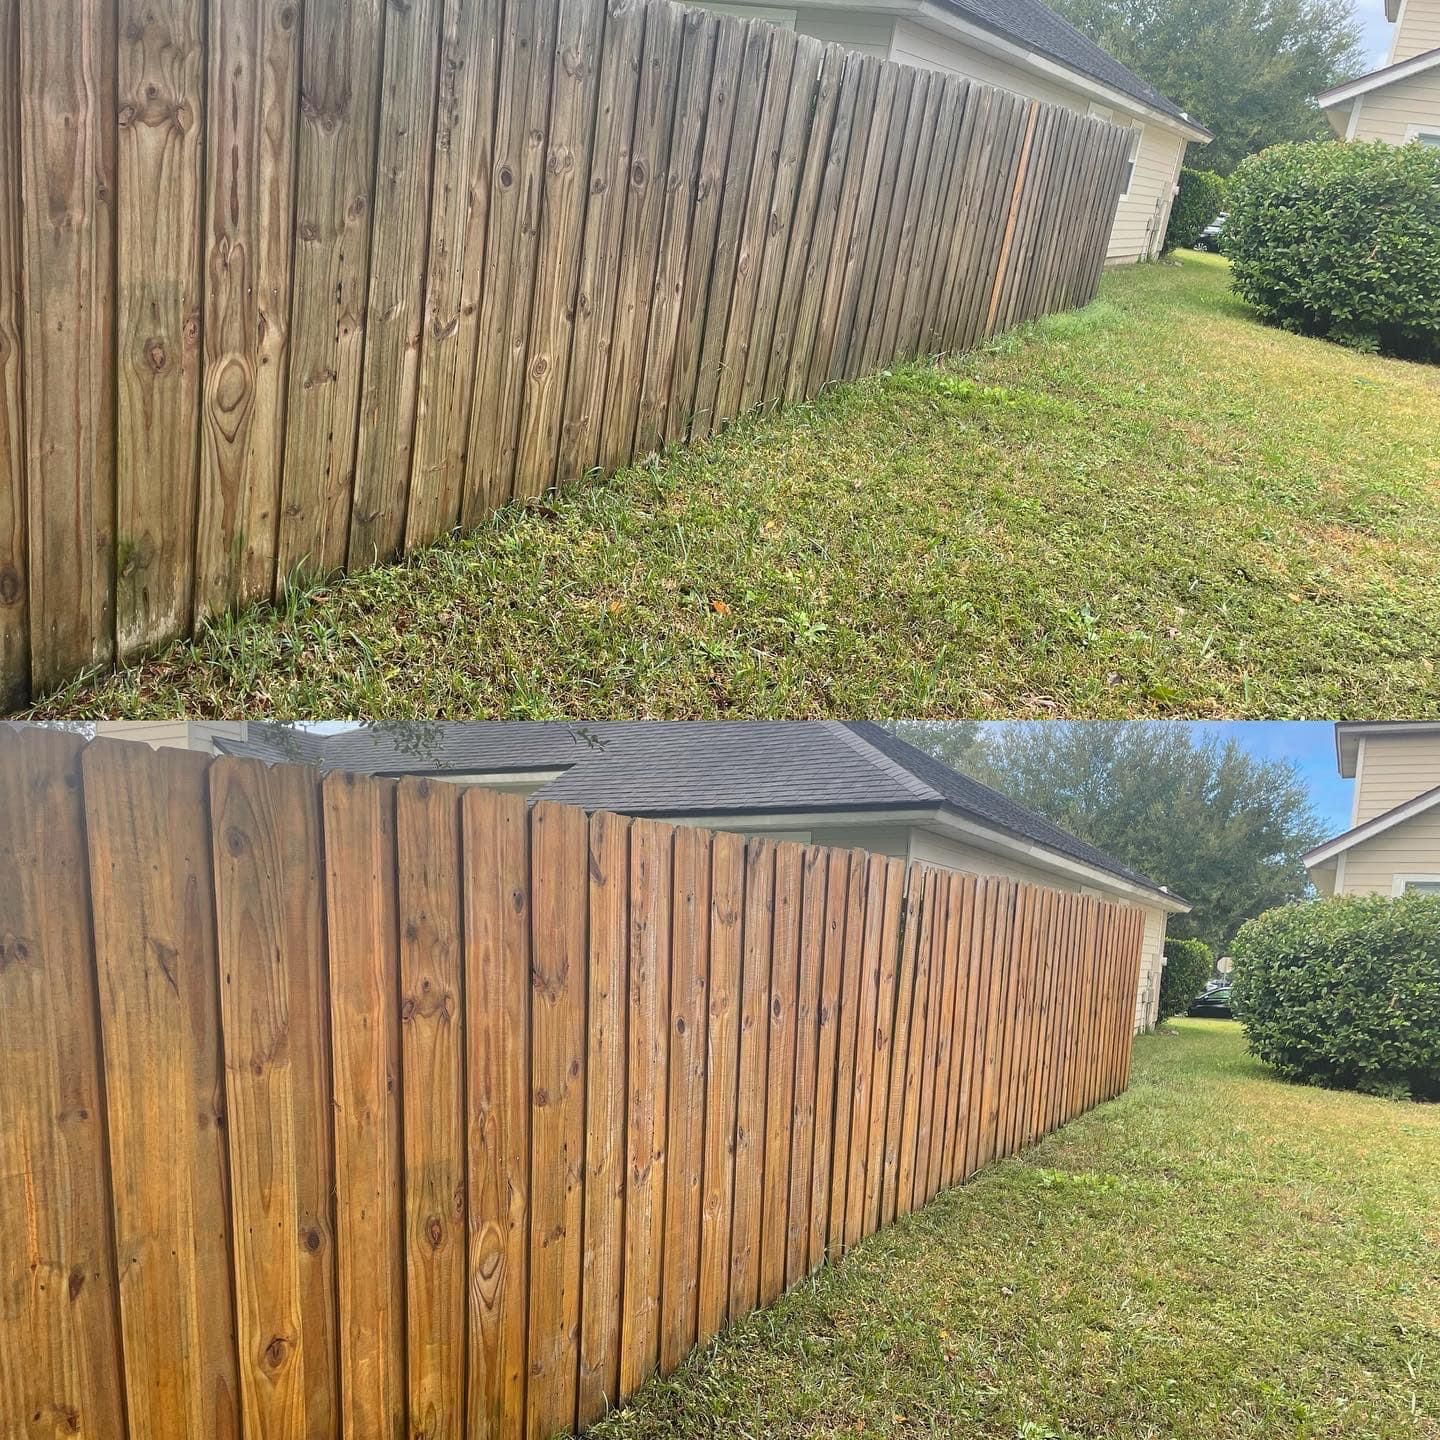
(817, 782)
(1400, 102)
(1022, 46)
(1393, 844)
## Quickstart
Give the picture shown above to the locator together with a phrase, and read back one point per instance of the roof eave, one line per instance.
(1377, 79)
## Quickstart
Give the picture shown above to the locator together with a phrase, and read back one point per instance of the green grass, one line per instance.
(1214, 1254)
(1152, 506)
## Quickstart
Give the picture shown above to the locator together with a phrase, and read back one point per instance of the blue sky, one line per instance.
(1378, 30)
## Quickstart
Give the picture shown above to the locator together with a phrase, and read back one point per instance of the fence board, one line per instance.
(522, 120)
(404, 166)
(425, 1114)
(59, 1325)
(14, 583)
(254, 53)
(559, 860)
(753, 1078)
(496, 844)
(432, 1052)
(359, 822)
(160, 129)
(562, 227)
(685, 1125)
(651, 879)
(607, 996)
(780, 1072)
(334, 200)
(67, 173)
(594, 302)
(455, 269)
(275, 1014)
(150, 881)
(699, 33)
(727, 906)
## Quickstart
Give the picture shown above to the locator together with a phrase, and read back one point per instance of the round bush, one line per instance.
(1342, 241)
(1345, 993)
(1201, 198)
(1188, 965)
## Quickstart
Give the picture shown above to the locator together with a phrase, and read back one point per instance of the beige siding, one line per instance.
(1410, 848)
(1391, 113)
(1417, 30)
(1392, 769)
(172, 734)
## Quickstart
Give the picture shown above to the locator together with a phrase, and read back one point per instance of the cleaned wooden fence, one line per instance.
(376, 1109)
(290, 286)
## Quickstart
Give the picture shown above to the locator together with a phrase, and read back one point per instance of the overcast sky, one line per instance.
(1378, 30)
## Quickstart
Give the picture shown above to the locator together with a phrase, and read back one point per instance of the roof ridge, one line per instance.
(877, 757)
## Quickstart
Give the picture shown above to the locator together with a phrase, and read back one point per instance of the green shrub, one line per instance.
(1201, 199)
(1343, 242)
(1345, 993)
(1188, 965)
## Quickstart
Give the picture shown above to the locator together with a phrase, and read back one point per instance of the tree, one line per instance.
(1214, 824)
(1247, 69)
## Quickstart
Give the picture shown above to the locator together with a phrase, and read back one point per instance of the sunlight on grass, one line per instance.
(1214, 1254)
(1153, 506)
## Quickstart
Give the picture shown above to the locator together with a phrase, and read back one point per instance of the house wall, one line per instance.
(1391, 769)
(1391, 112)
(1411, 848)
(1140, 218)
(1417, 29)
(172, 734)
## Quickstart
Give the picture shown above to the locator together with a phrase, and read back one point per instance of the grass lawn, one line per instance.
(1153, 506)
(1214, 1254)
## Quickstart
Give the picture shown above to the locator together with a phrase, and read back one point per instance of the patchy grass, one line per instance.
(1214, 1254)
(1153, 506)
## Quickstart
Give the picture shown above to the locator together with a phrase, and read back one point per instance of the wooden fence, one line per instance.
(290, 286)
(348, 1107)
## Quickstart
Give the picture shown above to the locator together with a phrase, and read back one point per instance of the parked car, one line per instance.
(1213, 1004)
(1210, 235)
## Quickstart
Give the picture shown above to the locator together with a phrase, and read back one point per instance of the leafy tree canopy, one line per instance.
(1246, 69)
(1205, 818)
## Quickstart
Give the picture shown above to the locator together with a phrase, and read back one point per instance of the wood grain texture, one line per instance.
(605, 1114)
(455, 269)
(718, 1186)
(882, 1075)
(651, 874)
(252, 122)
(60, 1363)
(160, 131)
(147, 831)
(780, 1070)
(67, 149)
(867, 1069)
(394, 311)
(828, 1014)
(685, 1125)
(559, 866)
(334, 202)
(848, 1077)
(562, 230)
(753, 1078)
(807, 1060)
(429, 886)
(496, 844)
(275, 1009)
(14, 556)
(360, 879)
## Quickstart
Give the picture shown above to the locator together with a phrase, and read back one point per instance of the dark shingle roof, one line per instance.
(679, 768)
(1035, 26)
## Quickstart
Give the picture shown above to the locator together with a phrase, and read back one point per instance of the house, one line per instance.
(1022, 46)
(1401, 101)
(1393, 844)
(817, 782)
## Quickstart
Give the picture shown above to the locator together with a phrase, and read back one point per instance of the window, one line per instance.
(1416, 885)
(1136, 135)
(1424, 137)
